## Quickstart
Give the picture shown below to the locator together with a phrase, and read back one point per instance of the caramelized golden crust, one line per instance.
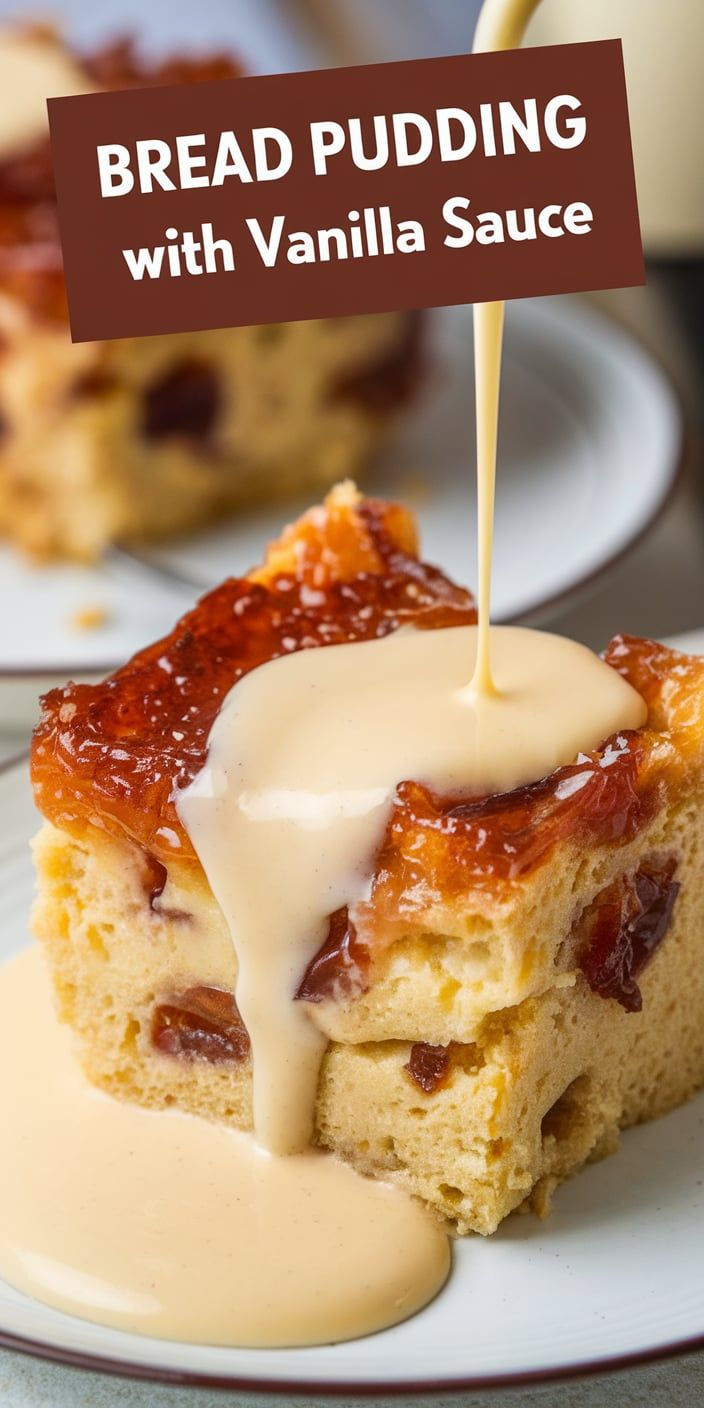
(114, 755)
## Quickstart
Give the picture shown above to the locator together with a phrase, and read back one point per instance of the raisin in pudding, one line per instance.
(149, 436)
(522, 977)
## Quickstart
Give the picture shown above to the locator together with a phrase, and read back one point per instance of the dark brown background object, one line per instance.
(106, 302)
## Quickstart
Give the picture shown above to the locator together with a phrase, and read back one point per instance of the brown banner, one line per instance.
(254, 200)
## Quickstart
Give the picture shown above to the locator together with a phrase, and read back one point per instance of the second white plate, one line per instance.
(589, 448)
(589, 445)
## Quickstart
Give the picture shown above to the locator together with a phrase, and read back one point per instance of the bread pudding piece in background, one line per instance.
(150, 436)
(526, 977)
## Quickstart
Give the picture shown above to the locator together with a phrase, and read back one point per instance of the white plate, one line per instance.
(43, 642)
(612, 1278)
(590, 442)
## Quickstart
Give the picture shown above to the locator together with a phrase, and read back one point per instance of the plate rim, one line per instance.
(135, 1370)
(341, 1388)
(561, 598)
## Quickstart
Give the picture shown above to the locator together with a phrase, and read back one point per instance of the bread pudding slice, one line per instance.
(145, 437)
(526, 976)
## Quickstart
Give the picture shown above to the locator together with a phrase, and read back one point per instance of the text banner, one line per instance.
(342, 191)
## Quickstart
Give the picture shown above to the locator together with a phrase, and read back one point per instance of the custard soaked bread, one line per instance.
(144, 437)
(525, 977)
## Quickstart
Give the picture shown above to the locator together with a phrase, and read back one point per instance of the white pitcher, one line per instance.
(663, 45)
